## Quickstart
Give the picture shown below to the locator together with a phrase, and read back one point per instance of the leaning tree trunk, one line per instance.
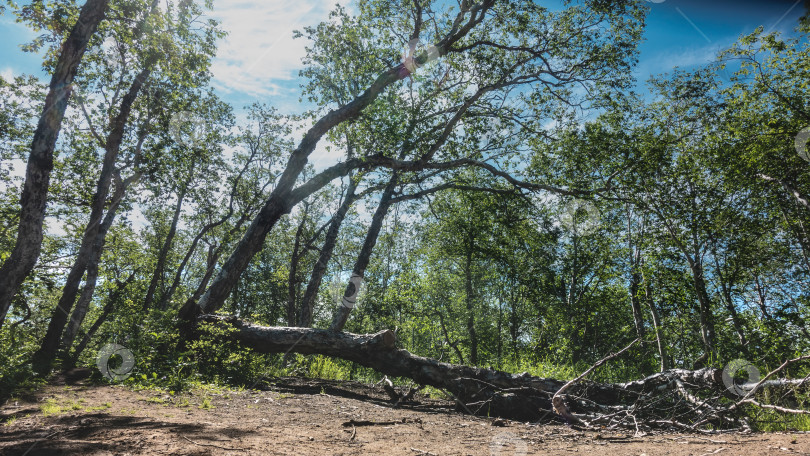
(40, 161)
(282, 198)
(319, 270)
(343, 311)
(43, 358)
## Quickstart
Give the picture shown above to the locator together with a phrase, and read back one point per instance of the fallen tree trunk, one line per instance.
(674, 399)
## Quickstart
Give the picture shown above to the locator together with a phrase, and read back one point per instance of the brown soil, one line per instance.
(314, 417)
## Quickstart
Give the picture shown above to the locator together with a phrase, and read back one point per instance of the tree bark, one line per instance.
(43, 358)
(378, 351)
(83, 304)
(86, 296)
(33, 200)
(662, 351)
(319, 270)
(343, 311)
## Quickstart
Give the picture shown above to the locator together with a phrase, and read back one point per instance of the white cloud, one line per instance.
(7, 73)
(665, 61)
(259, 52)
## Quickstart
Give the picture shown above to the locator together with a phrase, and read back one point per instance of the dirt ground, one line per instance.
(314, 417)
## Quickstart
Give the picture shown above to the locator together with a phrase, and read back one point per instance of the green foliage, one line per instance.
(218, 358)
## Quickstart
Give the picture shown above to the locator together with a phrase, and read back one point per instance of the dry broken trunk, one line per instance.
(673, 399)
(40, 162)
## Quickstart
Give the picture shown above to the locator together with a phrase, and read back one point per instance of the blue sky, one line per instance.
(259, 60)
(686, 33)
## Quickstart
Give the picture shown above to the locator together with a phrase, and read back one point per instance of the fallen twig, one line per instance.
(212, 445)
(380, 423)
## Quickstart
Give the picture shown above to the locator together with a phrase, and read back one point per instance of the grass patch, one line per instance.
(50, 407)
(206, 404)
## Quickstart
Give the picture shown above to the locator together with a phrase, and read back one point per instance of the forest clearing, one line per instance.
(317, 417)
(404, 227)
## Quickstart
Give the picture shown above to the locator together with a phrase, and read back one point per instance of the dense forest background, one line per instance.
(506, 195)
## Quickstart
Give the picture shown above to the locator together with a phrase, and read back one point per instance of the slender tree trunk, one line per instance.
(213, 257)
(761, 298)
(292, 279)
(105, 312)
(735, 318)
(311, 293)
(178, 274)
(350, 295)
(499, 347)
(43, 358)
(157, 276)
(469, 300)
(33, 200)
(446, 334)
(635, 280)
(82, 305)
(706, 315)
(515, 295)
(662, 351)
